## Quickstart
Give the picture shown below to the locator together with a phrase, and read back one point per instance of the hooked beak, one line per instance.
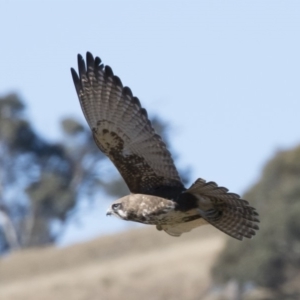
(108, 213)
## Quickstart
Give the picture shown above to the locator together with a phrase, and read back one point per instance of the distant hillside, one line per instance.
(139, 264)
(272, 258)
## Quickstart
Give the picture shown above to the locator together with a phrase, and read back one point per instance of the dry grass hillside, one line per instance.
(139, 264)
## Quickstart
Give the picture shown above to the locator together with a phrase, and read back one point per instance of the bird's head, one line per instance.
(118, 208)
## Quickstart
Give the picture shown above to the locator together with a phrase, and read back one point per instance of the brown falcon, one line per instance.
(122, 130)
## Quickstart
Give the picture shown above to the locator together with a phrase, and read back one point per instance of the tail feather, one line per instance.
(226, 211)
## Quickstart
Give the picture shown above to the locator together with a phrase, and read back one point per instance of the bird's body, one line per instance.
(122, 130)
(154, 210)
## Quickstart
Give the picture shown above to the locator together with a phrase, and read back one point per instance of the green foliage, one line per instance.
(71, 127)
(43, 192)
(272, 258)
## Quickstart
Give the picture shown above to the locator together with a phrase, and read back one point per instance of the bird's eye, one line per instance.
(116, 206)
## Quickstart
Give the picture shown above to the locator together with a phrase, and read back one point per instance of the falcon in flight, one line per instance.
(122, 130)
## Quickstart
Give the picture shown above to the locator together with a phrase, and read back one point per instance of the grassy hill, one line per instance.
(139, 264)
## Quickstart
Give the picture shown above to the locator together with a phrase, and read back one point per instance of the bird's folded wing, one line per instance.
(122, 130)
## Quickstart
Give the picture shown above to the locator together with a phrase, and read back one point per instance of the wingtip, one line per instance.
(89, 54)
(81, 65)
(108, 71)
(74, 73)
(97, 61)
(90, 60)
(76, 80)
(79, 57)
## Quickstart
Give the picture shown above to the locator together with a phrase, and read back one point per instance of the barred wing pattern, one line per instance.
(121, 130)
(226, 211)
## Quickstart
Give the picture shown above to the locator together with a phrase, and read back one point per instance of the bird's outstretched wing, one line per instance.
(122, 130)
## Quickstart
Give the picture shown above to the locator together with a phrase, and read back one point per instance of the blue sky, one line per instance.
(224, 74)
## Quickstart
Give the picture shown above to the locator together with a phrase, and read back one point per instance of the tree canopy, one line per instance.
(272, 258)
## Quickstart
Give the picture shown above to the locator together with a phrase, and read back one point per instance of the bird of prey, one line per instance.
(122, 130)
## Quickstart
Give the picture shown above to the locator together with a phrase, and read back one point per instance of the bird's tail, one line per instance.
(226, 211)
